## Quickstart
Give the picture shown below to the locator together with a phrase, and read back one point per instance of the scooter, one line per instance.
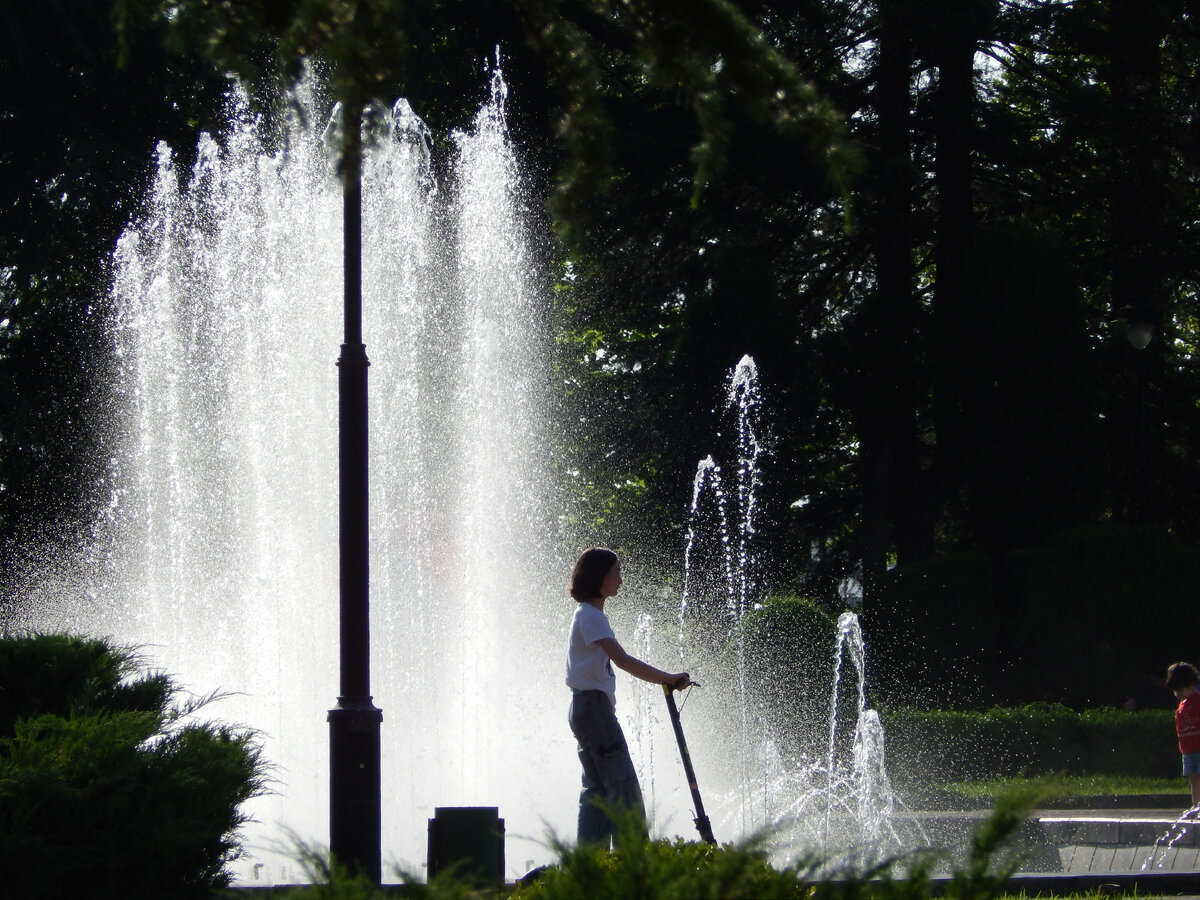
(701, 820)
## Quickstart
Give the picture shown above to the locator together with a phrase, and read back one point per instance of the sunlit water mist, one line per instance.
(218, 553)
(836, 801)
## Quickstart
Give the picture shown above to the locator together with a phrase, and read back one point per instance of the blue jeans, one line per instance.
(608, 773)
(1191, 763)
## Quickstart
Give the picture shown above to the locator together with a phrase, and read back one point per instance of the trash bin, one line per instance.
(469, 839)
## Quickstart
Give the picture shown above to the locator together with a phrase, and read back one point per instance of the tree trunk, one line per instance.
(953, 53)
(889, 461)
(1138, 236)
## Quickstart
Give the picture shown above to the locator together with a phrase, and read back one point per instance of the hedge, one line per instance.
(1038, 739)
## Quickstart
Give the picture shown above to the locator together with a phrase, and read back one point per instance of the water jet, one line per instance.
(811, 795)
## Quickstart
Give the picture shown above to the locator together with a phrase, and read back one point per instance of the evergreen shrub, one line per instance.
(659, 869)
(663, 870)
(641, 869)
(109, 787)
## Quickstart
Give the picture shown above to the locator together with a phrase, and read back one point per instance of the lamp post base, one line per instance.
(354, 787)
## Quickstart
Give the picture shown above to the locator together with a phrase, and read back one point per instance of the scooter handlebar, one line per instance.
(673, 686)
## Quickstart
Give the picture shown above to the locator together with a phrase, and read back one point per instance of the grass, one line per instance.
(1076, 786)
(1097, 894)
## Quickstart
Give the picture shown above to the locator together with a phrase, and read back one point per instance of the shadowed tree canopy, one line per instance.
(77, 137)
(702, 51)
(952, 373)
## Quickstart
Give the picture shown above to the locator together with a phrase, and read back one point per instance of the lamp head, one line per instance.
(1139, 324)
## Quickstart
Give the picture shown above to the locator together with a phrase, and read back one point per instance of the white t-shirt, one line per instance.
(588, 666)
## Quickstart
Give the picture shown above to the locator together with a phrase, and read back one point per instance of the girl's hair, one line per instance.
(589, 572)
(1182, 674)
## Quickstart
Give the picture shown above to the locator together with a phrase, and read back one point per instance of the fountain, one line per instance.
(1180, 831)
(217, 552)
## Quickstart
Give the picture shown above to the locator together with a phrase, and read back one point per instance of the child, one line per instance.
(1182, 679)
(608, 773)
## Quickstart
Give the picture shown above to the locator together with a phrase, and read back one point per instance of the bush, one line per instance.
(789, 645)
(640, 869)
(1039, 739)
(106, 790)
(666, 869)
(661, 870)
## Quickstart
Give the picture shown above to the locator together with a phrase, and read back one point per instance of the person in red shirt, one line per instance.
(1182, 679)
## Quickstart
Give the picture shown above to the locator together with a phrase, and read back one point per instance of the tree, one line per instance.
(77, 135)
(948, 380)
(1094, 120)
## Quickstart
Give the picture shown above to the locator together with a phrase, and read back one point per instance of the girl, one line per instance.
(1182, 679)
(608, 773)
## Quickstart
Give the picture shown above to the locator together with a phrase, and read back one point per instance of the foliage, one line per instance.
(679, 869)
(77, 135)
(1092, 106)
(109, 786)
(1011, 627)
(931, 399)
(666, 869)
(1030, 476)
(706, 50)
(1038, 739)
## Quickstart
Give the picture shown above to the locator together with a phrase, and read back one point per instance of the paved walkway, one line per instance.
(1107, 858)
(1135, 852)
(1131, 840)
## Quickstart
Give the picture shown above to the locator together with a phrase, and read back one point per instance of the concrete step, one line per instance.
(1088, 841)
(1132, 829)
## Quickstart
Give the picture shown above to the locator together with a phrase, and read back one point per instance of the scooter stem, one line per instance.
(701, 820)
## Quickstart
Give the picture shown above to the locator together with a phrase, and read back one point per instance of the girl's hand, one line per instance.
(680, 681)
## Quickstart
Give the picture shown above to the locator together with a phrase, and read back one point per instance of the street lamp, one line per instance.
(355, 814)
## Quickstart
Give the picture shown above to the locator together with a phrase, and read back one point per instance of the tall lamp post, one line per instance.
(354, 724)
(1139, 322)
